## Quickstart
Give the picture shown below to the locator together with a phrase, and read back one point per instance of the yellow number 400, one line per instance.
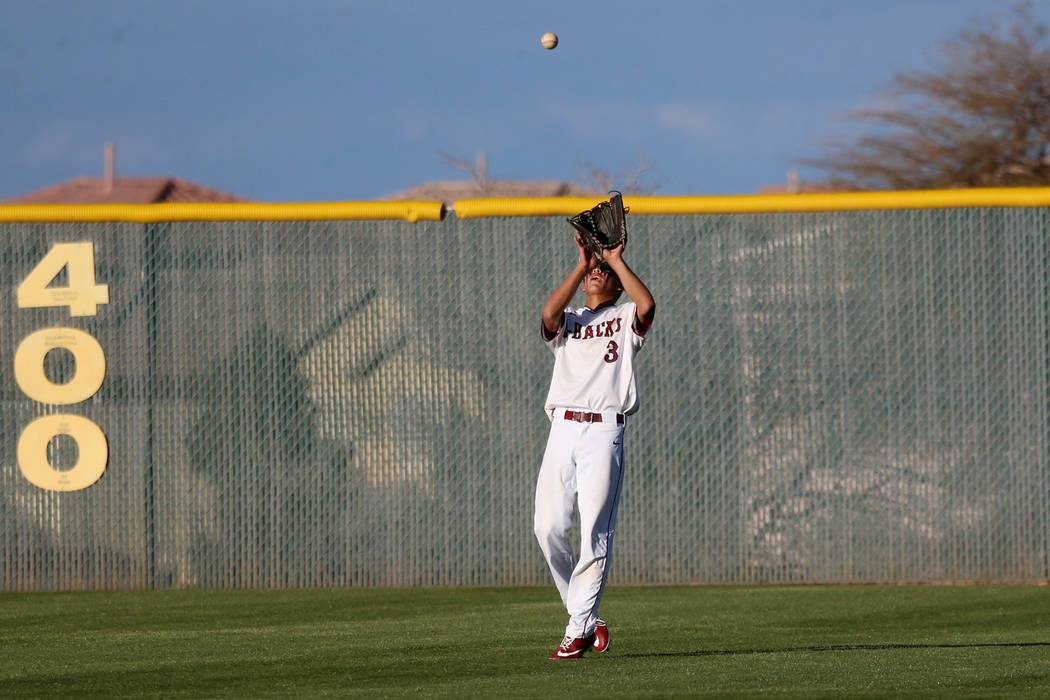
(83, 298)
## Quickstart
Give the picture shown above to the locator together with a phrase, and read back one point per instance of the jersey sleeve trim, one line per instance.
(547, 335)
(639, 327)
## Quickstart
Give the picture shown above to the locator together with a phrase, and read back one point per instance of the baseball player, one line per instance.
(592, 391)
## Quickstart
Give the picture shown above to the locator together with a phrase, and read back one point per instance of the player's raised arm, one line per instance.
(562, 295)
(635, 288)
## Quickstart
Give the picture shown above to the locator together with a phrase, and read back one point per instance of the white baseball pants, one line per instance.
(582, 466)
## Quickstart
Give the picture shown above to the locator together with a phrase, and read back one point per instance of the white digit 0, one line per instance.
(87, 353)
(93, 452)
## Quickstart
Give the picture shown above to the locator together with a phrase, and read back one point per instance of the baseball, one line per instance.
(549, 40)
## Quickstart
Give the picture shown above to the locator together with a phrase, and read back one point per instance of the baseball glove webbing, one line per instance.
(604, 225)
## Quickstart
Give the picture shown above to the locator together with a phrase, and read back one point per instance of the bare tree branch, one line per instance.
(982, 120)
(630, 180)
(478, 170)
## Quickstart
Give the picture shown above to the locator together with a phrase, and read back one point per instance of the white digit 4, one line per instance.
(81, 294)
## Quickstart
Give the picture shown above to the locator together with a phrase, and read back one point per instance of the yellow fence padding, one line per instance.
(225, 211)
(732, 204)
(524, 206)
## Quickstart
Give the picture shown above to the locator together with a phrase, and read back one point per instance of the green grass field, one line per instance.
(783, 641)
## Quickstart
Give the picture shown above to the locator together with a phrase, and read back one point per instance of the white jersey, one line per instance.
(594, 360)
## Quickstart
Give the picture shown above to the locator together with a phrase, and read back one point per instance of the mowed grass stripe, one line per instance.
(732, 641)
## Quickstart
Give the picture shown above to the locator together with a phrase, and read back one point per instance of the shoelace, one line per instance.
(566, 642)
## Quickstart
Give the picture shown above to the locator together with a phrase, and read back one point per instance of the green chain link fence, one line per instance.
(850, 396)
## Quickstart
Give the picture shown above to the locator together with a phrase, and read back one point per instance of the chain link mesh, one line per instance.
(826, 397)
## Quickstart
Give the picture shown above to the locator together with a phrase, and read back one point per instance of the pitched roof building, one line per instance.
(110, 189)
(124, 190)
(450, 191)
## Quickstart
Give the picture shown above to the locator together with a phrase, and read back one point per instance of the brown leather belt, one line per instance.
(582, 417)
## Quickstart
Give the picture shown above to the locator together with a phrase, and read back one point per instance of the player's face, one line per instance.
(602, 281)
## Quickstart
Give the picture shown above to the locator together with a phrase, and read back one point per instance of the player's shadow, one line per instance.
(831, 647)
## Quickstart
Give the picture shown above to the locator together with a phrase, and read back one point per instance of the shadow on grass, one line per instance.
(831, 647)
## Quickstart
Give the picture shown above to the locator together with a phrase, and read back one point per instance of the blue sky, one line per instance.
(328, 100)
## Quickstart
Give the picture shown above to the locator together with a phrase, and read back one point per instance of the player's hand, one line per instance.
(587, 259)
(613, 255)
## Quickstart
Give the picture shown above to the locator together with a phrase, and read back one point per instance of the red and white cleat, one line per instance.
(573, 648)
(601, 636)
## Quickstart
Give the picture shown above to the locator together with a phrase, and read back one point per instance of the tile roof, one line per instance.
(468, 189)
(800, 188)
(124, 190)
